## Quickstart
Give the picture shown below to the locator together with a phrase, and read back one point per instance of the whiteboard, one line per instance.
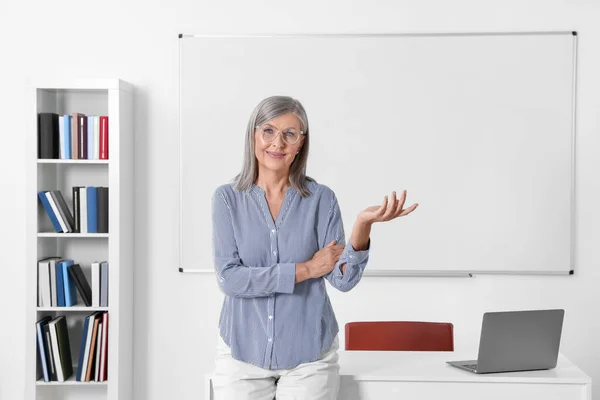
(479, 128)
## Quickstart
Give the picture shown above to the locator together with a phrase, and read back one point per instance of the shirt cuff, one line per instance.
(286, 278)
(357, 256)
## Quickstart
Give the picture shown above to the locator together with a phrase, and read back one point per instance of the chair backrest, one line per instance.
(400, 335)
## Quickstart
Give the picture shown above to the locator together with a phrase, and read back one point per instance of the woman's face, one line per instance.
(278, 154)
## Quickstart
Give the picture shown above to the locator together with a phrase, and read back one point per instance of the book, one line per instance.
(59, 335)
(64, 213)
(63, 208)
(103, 284)
(95, 284)
(44, 282)
(48, 135)
(102, 209)
(82, 283)
(90, 137)
(90, 366)
(60, 286)
(83, 210)
(42, 348)
(82, 346)
(55, 351)
(104, 137)
(82, 136)
(75, 135)
(92, 210)
(49, 211)
(96, 137)
(66, 137)
(50, 353)
(104, 348)
(61, 137)
(53, 291)
(63, 223)
(69, 283)
(76, 208)
(97, 356)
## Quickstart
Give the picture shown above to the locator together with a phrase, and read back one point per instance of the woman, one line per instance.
(277, 236)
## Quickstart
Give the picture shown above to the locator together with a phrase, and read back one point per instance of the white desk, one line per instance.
(382, 375)
(378, 375)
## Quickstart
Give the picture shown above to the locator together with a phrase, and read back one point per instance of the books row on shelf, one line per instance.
(59, 281)
(90, 209)
(76, 136)
(54, 349)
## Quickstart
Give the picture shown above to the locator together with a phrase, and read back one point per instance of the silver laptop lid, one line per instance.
(519, 340)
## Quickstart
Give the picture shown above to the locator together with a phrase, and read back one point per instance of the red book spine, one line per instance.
(104, 349)
(104, 138)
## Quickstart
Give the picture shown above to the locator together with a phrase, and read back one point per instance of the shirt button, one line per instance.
(275, 253)
(270, 339)
(270, 317)
(272, 230)
(351, 256)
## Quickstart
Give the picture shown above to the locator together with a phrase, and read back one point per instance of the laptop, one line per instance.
(517, 341)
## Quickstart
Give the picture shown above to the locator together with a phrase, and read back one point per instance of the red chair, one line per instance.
(400, 336)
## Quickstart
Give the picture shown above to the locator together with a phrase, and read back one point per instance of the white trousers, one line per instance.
(237, 380)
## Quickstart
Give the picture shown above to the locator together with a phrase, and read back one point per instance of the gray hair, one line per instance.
(266, 110)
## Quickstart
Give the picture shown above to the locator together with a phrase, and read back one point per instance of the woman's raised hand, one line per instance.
(387, 211)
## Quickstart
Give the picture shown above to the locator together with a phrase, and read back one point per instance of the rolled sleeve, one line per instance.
(287, 278)
(357, 256)
(355, 260)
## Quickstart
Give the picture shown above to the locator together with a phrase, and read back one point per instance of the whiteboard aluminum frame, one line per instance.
(393, 273)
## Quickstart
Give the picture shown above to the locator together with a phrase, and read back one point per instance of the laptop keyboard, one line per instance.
(471, 366)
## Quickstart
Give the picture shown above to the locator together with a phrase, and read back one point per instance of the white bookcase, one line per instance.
(114, 98)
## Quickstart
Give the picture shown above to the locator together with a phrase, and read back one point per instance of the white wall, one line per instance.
(176, 314)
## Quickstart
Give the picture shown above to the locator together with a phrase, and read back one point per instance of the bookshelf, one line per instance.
(112, 98)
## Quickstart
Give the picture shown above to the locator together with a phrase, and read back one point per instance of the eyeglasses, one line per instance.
(269, 133)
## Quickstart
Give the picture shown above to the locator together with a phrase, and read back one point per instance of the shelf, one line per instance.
(70, 382)
(99, 97)
(73, 309)
(64, 161)
(71, 235)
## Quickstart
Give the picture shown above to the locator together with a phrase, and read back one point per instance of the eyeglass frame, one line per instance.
(302, 133)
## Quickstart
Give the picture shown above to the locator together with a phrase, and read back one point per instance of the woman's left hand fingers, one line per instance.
(391, 208)
(396, 208)
(408, 210)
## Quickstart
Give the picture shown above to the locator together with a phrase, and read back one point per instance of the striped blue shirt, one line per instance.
(267, 319)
